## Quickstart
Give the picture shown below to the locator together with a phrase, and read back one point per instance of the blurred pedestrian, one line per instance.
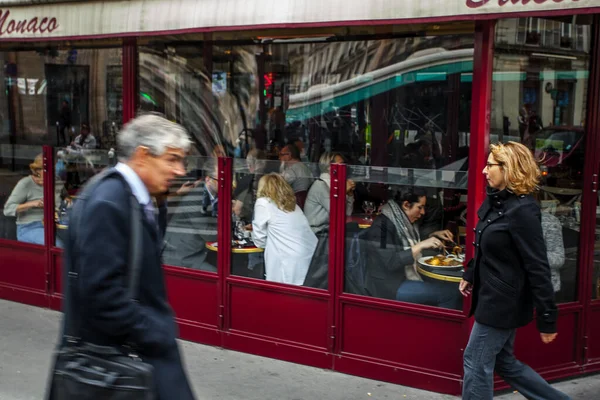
(508, 277)
(151, 155)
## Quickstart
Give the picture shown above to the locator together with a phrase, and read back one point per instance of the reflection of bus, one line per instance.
(428, 67)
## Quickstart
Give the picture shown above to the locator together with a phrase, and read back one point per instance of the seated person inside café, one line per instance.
(281, 228)
(26, 203)
(295, 172)
(186, 235)
(316, 210)
(393, 246)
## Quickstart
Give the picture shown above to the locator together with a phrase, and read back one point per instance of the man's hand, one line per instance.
(548, 337)
(465, 288)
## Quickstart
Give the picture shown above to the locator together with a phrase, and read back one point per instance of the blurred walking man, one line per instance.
(151, 155)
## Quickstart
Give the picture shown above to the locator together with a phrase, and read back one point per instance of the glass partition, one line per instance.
(539, 98)
(22, 193)
(191, 237)
(280, 218)
(389, 106)
(405, 240)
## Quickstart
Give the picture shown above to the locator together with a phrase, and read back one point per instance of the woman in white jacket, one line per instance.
(280, 227)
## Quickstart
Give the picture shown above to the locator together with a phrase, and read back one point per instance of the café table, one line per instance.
(240, 260)
(362, 222)
(213, 246)
(450, 275)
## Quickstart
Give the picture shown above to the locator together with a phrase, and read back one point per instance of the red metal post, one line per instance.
(130, 79)
(224, 237)
(337, 233)
(481, 99)
(587, 236)
(49, 206)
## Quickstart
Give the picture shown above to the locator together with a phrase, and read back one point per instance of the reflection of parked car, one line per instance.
(560, 150)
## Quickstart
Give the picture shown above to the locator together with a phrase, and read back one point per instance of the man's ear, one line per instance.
(140, 156)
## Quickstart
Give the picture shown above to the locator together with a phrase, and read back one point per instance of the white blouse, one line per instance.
(288, 241)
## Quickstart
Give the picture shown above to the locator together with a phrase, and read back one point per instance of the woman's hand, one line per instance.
(431, 243)
(465, 288)
(444, 235)
(548, 337)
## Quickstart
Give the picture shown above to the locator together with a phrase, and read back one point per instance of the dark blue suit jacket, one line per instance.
(99, 246)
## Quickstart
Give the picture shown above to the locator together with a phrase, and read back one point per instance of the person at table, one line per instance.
(393, 246)
(508, 276)
(295, 172)
(184, 245)
(26, 203)
(316, 210)
(281, 228)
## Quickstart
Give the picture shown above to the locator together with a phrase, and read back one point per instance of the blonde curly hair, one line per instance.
(274, 187)
(521, 171)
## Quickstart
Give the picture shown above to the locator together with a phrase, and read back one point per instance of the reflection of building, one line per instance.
(334, 62)
(86, 78)
(549, 72)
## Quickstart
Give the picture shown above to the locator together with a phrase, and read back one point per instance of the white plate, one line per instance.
(460, 259)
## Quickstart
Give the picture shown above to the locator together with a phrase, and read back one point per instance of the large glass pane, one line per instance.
(21, 193)
(281, 219)
(539, 98)
(73, 168)
(62, 96)
(400, 110)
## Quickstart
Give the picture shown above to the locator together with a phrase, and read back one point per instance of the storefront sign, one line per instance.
(480, 3)
(10, 26)
(116, 17)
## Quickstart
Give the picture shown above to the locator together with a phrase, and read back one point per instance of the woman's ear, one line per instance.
(406, 205)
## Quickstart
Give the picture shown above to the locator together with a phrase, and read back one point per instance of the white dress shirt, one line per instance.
(288, 241)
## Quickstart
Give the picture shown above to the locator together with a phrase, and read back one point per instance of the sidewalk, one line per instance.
(29, 334)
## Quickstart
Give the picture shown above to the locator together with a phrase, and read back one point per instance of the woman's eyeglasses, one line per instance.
(490, 165)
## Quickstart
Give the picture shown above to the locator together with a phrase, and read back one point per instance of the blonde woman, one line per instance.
(280, 227)
(508, 277)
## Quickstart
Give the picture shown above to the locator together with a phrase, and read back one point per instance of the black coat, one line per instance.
(386, 259)
(100, 250)
(510, 272)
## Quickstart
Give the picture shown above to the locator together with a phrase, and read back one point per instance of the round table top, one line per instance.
(212, 246)
(362, 222)
(439, 277)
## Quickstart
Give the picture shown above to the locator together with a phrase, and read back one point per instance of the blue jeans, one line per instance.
(438, 294)
(492, 349)
(32, 232)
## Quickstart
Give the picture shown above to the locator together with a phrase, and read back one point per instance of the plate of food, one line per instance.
(441, 261)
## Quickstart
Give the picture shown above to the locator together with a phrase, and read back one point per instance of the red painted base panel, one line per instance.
(23, 295)
(273, 348)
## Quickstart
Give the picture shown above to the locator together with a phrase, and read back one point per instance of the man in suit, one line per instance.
(151, 155)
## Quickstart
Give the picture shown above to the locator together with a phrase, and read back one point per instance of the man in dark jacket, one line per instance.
(151, 154)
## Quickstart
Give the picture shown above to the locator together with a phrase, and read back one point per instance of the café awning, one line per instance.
(29, 19)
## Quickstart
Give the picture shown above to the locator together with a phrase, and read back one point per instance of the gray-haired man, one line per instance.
(151, 154)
